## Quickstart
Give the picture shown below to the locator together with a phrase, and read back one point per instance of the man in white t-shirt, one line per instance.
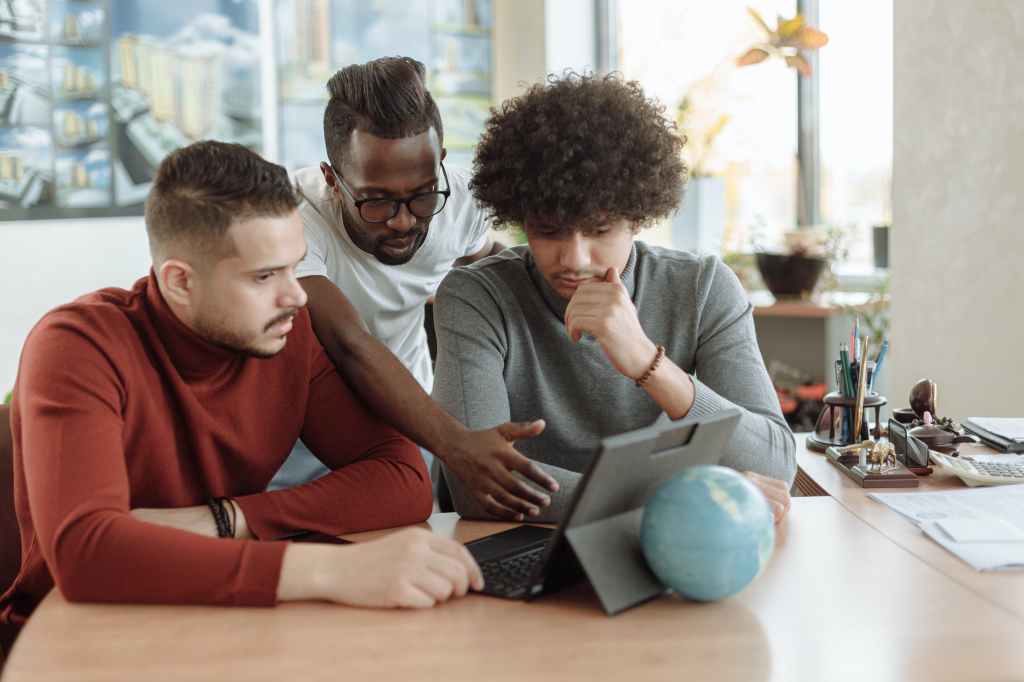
(385, 220)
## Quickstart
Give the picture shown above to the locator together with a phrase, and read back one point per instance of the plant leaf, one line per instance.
(715, 129)
(809, 38)
(754, 55)
(798, 62)
(789, 27)
(760, 21)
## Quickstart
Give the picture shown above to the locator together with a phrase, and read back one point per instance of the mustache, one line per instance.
(414, 233)
(283, 317)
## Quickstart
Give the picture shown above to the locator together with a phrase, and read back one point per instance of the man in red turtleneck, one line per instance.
(138, 414)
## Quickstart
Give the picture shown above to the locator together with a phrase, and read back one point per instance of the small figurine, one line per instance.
(879, 456)
(882, 456)
(923, 397)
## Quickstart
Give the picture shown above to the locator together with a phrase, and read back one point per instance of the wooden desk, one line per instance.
(838, 601)
(1005, 590)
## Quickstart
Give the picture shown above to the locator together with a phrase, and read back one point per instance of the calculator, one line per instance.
(974, 472)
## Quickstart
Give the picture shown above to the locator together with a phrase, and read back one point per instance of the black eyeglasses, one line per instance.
(421, 204)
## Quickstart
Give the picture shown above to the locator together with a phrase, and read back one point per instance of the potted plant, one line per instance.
(701, 115)
(794, 271)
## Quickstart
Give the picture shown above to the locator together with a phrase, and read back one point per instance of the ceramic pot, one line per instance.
(789, 277)
(939, 439)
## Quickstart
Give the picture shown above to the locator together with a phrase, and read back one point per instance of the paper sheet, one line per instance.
(998, 503)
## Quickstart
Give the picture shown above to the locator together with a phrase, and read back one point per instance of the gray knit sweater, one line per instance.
(503, 353)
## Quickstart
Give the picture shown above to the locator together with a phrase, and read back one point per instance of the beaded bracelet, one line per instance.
(654, 365)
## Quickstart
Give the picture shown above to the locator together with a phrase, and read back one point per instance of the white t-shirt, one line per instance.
(390, 298)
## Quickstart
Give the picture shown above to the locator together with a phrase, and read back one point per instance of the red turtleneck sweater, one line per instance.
(119, 405)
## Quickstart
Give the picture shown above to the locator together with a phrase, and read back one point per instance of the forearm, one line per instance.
(387, 488)
(391, 391)
(112, 557)
(762, 441)
(198, 519)
(671, 388)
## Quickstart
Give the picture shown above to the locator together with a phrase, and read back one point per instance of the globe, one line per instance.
(707, 533)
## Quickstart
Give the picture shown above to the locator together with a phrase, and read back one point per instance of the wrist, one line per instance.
(450, 440)
(644, 360)
(306, 571)
(241, 527)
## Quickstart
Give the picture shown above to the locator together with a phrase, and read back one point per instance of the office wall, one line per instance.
(533, 38)
(519, 52)
(46, 263)
(958, 203)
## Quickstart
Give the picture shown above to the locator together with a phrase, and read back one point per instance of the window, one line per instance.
(675, 48)
(855, 122)
(679, 48)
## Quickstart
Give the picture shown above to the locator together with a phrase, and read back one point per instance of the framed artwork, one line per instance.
(95, 93)
(315, 38)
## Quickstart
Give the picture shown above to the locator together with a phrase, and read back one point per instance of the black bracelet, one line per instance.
(220, 517)
(232, 525)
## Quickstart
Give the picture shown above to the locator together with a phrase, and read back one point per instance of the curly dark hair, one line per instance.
(577, 152)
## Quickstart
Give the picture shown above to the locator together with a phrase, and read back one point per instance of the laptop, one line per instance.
(599, 537)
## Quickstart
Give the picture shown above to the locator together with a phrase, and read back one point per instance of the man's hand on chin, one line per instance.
(603, 309)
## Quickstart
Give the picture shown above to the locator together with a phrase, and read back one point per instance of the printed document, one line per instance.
(982, 526)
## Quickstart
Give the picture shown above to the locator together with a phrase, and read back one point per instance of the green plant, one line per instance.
(874, 314)
(700, 112)
(787, 41)
(7, 398)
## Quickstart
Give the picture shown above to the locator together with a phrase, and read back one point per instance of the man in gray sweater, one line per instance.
(593, 331)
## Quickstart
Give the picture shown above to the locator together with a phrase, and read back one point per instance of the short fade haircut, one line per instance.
(577, 152)
(386, 97)
(201, 190)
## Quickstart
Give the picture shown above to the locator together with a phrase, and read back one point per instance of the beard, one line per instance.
(213, 330)
(374, 245)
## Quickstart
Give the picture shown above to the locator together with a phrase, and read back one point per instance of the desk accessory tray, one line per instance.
(892, 476)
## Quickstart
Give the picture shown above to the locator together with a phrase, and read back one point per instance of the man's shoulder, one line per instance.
(673, 259)
(702, 278)
(505, 271)
(660, 263)
(99, 319)
(309, 181)
(462, 217)
(314, 197)
(508, 267)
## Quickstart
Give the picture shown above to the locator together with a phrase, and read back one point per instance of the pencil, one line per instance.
(861, 387)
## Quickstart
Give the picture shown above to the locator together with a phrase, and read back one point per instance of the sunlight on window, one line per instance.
(856, 121)
(678, 49)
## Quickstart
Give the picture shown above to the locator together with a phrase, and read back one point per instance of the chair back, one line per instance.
(10, 540)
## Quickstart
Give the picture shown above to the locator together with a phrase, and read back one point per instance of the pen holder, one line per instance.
(835, 424)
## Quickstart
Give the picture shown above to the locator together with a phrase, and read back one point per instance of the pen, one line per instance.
(881, 356)
(856, 339)
(844, 358)
(858, 417)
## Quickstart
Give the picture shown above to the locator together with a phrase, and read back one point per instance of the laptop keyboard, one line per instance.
(509, 576)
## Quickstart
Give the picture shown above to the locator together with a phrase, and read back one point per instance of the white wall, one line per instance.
(958, 203)
(46, 263)
(533, 38)
(518, 46)
(570, 40)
